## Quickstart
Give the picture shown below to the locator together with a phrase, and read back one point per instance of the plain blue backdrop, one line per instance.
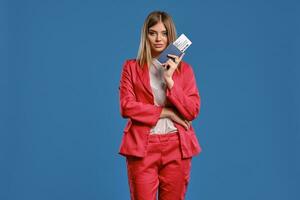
(61, 128)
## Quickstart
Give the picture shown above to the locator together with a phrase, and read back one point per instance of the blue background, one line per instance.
(60, 125)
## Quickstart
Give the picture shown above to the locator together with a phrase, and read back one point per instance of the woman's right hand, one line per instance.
(175, 116)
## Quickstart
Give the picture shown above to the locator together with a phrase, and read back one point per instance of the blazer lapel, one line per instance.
(145, 79)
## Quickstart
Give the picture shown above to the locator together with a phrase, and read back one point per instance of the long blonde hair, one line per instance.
(144, 53)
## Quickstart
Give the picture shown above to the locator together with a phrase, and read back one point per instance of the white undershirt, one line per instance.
(158, 85)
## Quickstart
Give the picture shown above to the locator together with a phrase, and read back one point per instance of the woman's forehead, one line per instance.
(158, 27)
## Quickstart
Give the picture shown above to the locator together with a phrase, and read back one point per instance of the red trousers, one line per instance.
(162, 172)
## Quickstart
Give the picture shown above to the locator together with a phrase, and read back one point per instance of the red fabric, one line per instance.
(162, 170)
(137, 104)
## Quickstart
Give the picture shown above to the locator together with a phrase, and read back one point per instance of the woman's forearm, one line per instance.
(166, 112)
(170, 113)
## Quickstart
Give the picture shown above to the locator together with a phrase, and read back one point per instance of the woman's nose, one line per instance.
(158, 37)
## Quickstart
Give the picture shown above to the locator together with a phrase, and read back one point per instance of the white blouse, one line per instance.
(158, 85)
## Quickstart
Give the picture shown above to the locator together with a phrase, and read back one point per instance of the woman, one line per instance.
(160, 101)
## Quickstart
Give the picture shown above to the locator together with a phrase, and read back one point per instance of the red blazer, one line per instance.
(137, 104)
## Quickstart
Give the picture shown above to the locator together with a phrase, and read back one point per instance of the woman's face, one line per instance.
(157, 36)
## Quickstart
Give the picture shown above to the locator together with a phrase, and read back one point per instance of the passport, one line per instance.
(177, 48)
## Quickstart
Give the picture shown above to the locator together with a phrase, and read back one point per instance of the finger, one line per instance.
(171, 62)
(166, 65)
(172, 56)
(181, 56)
(175, 58)
(189, 125)
(185, 125)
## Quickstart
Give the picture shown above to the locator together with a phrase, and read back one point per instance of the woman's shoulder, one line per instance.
(185, 66)
(131, 61)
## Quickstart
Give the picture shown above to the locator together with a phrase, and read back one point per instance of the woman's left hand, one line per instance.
(170, 66)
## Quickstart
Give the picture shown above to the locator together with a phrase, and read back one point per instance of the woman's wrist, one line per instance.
(169, 82)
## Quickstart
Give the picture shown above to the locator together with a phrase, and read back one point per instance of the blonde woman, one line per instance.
(160, 102)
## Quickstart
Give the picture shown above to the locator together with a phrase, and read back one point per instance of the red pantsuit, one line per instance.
(162, 165)
(157, 162)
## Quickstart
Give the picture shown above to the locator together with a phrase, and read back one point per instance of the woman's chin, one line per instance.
(158, 50)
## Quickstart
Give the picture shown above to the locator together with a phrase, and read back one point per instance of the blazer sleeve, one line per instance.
(129, 106)
(186, 97)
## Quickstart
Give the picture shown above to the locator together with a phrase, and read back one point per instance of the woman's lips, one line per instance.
(158, 45)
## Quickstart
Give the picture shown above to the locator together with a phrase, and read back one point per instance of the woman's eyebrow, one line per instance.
(156, 31)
